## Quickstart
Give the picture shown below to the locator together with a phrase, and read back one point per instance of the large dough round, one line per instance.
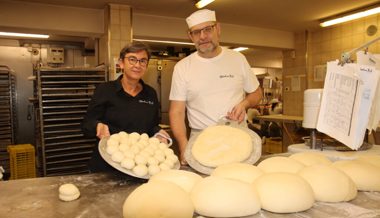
(310, 158)
(218, 145)
(329, 184)
(68, 192)
(372, 159)
(280, 164)
(366, 176)
(220, 197)
(240, 171)
(158, 199)
(184, 179)
(284, 192)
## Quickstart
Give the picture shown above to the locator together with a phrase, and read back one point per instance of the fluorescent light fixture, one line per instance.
(24, 35)
(202, 3)
(351, 17)
(240, 49)
(164, 41)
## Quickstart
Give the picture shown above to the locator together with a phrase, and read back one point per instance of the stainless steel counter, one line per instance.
(103, 195)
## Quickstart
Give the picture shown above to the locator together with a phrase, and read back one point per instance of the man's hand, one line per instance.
(237, 113)
(102, 130)
(182, 159)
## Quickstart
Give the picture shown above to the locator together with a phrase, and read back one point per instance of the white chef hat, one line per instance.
(200, 16)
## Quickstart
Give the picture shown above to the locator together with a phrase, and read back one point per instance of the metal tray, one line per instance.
(107, 158)
(253, 158)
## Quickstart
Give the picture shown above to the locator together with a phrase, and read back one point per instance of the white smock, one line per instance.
(211, 86)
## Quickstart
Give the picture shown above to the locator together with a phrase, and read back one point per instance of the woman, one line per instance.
(126, 104)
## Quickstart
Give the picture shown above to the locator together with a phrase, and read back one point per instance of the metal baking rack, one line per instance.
(61, 97)
(7, 114)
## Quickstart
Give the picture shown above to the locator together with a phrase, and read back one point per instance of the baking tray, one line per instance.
(253, 158)
(106, 157)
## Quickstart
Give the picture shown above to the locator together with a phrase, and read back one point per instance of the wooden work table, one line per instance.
(288, 124)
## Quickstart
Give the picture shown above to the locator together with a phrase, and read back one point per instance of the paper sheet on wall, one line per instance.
(346, 102)
(373, 60)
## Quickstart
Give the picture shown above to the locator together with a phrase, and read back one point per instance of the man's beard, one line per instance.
(211, 46)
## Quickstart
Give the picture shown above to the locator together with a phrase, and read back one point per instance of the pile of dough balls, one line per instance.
(142, 155)
(278, 184)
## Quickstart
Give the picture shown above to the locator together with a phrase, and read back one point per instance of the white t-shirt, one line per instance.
(211, 86)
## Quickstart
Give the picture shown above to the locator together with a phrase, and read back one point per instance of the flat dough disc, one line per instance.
(218, 145)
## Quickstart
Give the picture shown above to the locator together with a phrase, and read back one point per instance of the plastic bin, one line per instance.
(22, 161)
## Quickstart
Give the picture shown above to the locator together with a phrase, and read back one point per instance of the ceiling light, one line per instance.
(240, 49)
(351, 17)
(202, 3)
(24, 35)
(164, 41)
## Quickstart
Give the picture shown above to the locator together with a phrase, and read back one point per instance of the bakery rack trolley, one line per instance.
(61, 98)
(7, 113)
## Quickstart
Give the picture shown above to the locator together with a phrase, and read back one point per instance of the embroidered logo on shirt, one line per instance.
(146, 102)
(226, 76)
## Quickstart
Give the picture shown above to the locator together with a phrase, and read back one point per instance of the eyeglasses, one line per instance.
(133, 60)
(206, 30)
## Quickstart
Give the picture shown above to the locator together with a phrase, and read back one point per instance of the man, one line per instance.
(211, 83)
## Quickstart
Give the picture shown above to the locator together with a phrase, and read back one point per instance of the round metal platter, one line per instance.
(253, 158)
(107, 158)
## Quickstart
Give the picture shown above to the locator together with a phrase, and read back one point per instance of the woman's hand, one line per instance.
(102, 130)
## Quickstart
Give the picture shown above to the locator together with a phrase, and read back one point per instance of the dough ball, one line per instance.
(117, 156)
(159, 157)
(140, 170)
(239, 171)
(220, 197)
(152, 200)
(145, 154)
(112, 142)
(366, 176)
(184, 179)
(168, 152)
(132, 141)
(328, 183)
(129, 154)
(173, 158)
(310, 158)
(152, 161)
(144, 137)
(128, 163)
(154, 140)
(112, 148)
(135, 149)
(169, 163)
(154, 147)
(218, 145)
(284, 192)
(68, 192)
(140, 145)
(123, 134)
(153, 169)
(372, 159)
(134, 135)
(280, 164)
(140, 159)
(115, 137)
(149, 151)
(162, 146)
(164, 166)
(125, 141)
(123, 147)
(159, 152)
